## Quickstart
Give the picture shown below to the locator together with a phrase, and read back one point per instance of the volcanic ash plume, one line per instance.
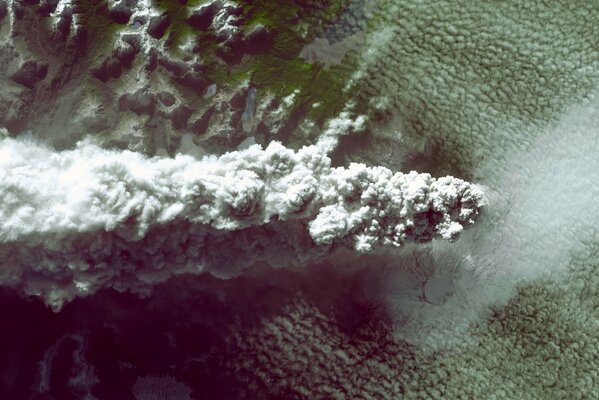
(80, 220)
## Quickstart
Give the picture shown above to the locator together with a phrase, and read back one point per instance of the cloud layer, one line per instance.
(79, 220)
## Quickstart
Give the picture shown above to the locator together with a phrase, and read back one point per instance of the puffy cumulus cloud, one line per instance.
(80, 220)
(523, 351)
(475, 80)
(547, 332)
(160, 387)
(301, 353)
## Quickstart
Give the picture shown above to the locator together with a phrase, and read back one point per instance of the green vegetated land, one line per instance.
(272, 64)
(94, 16)
(282, 71)
(275, 68)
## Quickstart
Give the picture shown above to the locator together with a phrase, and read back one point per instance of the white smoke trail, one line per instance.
(76, 221)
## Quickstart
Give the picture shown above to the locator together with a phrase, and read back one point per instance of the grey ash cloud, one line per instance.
(79, 220)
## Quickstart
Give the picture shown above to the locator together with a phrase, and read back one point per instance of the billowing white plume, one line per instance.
(80, 220)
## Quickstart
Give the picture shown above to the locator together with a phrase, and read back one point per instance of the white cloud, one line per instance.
(83, 219)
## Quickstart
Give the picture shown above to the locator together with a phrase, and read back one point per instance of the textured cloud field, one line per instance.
(299, 199)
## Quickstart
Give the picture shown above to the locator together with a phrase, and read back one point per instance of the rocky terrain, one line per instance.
(142, 74)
